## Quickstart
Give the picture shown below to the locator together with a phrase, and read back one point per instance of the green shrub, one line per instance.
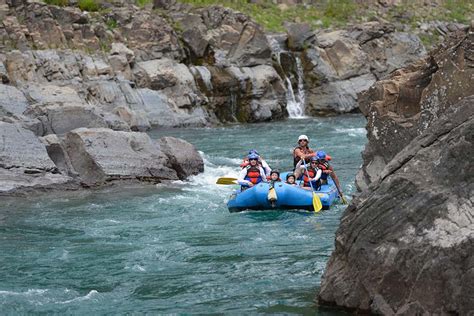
(111, 23)
(88, 5)
(61, 3)
(340, 10)
(459, 10)
(142, 3)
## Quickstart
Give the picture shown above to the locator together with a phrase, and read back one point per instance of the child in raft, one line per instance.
(291, 179)
(275, 175)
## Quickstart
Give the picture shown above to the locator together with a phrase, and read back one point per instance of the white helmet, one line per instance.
(303, 137)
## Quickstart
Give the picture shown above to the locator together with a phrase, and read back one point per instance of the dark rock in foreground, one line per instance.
(407, 245)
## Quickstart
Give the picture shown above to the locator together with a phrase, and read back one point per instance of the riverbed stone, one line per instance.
(183, 156)
(101, 155)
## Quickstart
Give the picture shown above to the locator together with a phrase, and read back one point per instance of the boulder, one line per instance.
(405, 245)
(183, 156)
(100, 155)
(24, 162)
(21, 148)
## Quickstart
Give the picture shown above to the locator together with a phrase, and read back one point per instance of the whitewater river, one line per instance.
(176, 248)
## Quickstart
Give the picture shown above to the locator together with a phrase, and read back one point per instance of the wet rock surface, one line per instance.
(405, 244)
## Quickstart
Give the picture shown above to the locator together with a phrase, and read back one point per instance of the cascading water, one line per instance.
(295, 104)
(205, 75)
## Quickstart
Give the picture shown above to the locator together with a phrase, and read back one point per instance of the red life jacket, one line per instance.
(324, 165)
(312, 174)
(253, 174)
(296, 158)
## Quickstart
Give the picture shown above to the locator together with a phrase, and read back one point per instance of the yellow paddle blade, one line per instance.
(226, 181)
(343, 200)
(272, 196)
(317, 203)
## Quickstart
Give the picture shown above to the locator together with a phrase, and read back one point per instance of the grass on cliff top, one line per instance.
(338, 13)
(272, 16)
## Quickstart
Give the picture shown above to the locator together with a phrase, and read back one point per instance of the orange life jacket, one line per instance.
(312, 174)
(253, 174)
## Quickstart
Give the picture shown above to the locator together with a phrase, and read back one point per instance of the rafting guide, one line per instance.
(313, 185)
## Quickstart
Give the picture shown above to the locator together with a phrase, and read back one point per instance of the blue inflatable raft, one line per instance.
(289, 197)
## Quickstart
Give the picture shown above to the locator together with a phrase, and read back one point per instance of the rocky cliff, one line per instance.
(406, 242)
(77, 79)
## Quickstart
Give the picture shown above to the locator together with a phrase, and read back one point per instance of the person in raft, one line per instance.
(261, 162)
(302, 153)
(312, 174)
(290, 179)
(275, 175)
(252, 174)
(327, 170)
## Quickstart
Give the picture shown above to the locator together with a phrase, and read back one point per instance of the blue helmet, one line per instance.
(253, 156)
(314, 158)
(321, 154)
(253, 151)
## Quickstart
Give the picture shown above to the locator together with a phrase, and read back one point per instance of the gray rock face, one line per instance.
(345, 63)
(406, 245)
(222, 37)
(100, 155)
(25, 164)
(12, 100)
(183, 157)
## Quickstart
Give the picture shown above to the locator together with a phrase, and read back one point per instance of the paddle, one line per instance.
(226, 181)
(343, 199)
(317, 206)
(272, 196)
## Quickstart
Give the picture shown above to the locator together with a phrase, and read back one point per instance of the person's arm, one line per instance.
(241, 179)
(318, 175)
(333, 175)
(266, 167)
(262, 173)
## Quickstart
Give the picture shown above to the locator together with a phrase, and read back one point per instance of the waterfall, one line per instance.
(205, 75)
(295, 104)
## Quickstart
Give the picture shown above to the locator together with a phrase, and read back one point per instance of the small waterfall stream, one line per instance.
(295, 103)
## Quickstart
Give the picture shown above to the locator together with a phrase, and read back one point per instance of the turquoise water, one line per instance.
(176, 248)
